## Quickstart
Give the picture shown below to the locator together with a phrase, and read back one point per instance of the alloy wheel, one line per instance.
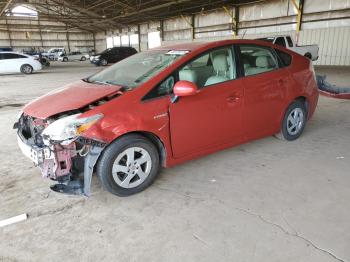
(131, 167)
(295, 121)
(27, 69)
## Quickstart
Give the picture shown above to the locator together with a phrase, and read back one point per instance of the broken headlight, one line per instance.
(70, 127)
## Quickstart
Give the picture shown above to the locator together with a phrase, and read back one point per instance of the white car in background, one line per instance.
(12, 62)
(73, 56)
(53, 53)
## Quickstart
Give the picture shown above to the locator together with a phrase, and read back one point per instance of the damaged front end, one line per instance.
(57, 147)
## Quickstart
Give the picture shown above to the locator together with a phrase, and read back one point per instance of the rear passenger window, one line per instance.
(257, 59)
(211, 68)
(12, 56)
(285, 58)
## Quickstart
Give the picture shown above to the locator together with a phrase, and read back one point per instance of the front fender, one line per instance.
(111, 128)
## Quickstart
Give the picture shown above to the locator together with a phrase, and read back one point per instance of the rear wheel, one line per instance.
(26, 69)
(129, 165)
(293, 122)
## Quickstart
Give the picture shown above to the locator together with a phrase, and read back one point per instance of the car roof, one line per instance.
(12, 52)
(122, 47)
(194, 46)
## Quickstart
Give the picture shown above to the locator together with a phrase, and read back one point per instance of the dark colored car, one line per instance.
(112, 55)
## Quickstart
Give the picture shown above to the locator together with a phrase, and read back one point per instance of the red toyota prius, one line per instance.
(163, 107)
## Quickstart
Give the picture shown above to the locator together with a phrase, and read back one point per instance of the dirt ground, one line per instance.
(267, 200)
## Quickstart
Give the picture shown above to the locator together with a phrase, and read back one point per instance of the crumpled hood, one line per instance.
(70, 97)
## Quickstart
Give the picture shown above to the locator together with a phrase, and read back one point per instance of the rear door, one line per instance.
(213, 116)
(265, 90)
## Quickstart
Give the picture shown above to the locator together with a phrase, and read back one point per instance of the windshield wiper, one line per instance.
(102, 82)
(86, 80)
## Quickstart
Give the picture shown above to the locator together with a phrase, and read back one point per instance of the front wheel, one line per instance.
(293, 122)
(65, 59)
(129, 165)
(26, 69)
(83, 58)
(103, 62)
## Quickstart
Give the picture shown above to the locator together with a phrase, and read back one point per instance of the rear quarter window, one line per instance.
(12, 56)
(285, 58)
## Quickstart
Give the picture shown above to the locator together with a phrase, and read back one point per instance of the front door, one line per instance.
(213, 116)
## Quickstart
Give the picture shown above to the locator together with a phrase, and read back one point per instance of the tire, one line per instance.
(83, 58)
(120, 175)
(26, 69)
(308, 55)
(294, 121)
(103, 62)
(65, 59)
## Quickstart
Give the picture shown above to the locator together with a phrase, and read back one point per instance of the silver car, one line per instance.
(73, 56)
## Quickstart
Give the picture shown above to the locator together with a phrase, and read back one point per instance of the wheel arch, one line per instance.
(154, 139)
(301, 98)
(308, 55)
(305, 101)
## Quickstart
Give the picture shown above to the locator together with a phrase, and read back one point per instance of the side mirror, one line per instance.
(185, 88)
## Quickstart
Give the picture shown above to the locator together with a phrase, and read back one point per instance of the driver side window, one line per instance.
(211, 68)
(163, 89)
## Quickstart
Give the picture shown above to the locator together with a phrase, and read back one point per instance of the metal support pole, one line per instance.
(191, 24)
(41, 35)
(236, 19)
(298, 6)
(9, 33)
(162, 30)
(139, 37)
(94, 38)
(193, 27)
(233, 21)
(67, 36)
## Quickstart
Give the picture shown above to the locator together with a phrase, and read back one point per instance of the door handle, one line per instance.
(281, 82)
(232, 99)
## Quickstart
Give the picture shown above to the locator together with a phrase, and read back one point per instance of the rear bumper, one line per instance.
(37, 66)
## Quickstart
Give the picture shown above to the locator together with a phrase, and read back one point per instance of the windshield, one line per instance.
(136, 69)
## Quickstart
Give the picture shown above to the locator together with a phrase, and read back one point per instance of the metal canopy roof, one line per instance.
(102, 15)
